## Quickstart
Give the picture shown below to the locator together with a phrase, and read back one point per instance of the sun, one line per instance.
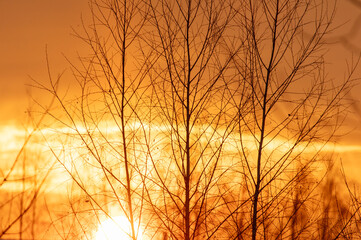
(116, 228)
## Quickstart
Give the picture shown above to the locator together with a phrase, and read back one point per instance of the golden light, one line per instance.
(116, 228)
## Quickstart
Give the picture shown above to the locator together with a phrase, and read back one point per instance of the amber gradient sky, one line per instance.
(28, 26)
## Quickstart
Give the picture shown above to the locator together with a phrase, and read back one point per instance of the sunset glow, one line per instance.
(168, 119)
(116, 228)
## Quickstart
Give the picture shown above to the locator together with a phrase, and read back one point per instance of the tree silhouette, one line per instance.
(203, 119)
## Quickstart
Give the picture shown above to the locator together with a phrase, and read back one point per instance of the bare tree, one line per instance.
(288, 108)
(102, 141)
(200, 119)
(191, 104)
(21, 184)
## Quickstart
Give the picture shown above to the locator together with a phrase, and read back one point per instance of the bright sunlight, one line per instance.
(116, 228)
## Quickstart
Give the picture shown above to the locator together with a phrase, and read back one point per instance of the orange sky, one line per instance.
(28, 26)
